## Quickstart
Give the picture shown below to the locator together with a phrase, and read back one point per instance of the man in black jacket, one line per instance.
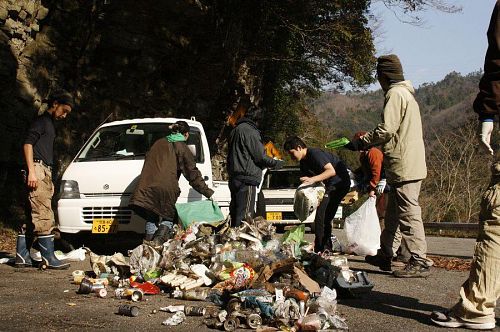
(245, 160)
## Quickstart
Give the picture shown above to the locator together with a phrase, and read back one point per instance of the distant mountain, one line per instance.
(444, 105)
(456, 169)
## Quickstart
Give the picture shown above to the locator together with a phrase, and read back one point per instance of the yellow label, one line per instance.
(104, 226)
(274, 216)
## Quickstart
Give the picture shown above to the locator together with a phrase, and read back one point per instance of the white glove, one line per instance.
(379, 189)
(485, 135)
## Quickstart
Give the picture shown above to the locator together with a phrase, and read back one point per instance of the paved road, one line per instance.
(30, 299)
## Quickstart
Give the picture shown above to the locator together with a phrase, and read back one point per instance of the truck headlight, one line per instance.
(69, 189)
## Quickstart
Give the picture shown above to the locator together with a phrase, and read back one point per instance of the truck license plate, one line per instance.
(104, 226)
(274, 216)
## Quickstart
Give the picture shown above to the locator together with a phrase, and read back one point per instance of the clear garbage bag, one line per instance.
(363, 229)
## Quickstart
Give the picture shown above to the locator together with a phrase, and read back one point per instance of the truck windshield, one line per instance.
(132, 141)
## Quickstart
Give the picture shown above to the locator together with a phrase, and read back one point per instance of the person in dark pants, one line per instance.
(158, 187)
(317, 165)
(245, 160)
(38, 151)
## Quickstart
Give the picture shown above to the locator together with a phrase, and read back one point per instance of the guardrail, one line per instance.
(452, 226)
(431, 225)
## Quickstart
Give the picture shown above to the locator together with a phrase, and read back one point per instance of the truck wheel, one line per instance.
(312, 226)
(261, 205)
(69, 241)
(280, 228)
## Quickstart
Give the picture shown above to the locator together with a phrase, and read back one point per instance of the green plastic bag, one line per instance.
(338, 143)
(295, 234)
(205, 212)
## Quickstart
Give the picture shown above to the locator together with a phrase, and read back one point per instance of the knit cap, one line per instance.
(390, 66)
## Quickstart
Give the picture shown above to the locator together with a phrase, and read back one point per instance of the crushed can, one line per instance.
(133, 294)
(190, 310)
(128, 310)
(102, 293)
(87, 287)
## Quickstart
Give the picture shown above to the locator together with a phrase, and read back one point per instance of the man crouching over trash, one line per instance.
(317, 165)
(158, 188)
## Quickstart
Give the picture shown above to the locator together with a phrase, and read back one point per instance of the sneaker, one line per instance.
(448, 319)
(380, 262)
(413, 270)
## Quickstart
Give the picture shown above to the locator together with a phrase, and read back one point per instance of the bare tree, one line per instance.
(456, 176)
(407, 10)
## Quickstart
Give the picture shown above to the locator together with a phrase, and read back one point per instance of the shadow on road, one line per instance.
(394, 305)
(4, 254)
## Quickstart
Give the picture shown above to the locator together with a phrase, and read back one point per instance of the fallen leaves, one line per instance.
(451, 264)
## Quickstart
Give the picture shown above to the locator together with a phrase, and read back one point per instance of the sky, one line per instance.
(444, 43)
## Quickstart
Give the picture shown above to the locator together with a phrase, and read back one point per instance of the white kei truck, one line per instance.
(98, 183)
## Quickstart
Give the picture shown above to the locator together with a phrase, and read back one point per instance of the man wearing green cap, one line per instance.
(38, 151)
(400, 135)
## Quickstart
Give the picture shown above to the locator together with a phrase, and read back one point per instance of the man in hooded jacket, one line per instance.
(400, 134)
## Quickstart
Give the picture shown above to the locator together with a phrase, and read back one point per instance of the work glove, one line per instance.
(279, 164)
(354, 145)
(379, 189)
(485, 131)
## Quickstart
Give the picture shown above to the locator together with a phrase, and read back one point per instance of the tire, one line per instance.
(280, 228)
(71, 241)
(313, 227)
(261, 205)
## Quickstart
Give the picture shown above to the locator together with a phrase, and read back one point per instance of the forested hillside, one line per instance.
(457, 173)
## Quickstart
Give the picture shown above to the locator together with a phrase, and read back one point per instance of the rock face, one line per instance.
(120, 59)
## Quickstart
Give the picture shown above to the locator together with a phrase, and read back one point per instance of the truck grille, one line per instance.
(121, 214)
(279, 201)
(289, 216)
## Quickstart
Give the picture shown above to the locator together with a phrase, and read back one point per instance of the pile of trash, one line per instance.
(252, 277)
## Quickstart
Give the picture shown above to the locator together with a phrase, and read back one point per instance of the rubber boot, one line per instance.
(46, 243)
(23, 258)
(162, 234)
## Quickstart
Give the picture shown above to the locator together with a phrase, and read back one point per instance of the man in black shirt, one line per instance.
(319, 166)
(39, 156)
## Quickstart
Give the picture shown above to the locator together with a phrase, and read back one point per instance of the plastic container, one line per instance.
(199, 294)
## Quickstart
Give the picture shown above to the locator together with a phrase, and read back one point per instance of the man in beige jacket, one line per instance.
(400, 135)
(479, 294)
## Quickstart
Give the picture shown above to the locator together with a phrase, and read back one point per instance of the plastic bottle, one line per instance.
(200, 294)
(336, 245)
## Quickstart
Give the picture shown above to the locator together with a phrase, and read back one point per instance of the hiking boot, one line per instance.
(413, 270)
(399, 262)
(448, 319)
(382, 263)
(162, 235)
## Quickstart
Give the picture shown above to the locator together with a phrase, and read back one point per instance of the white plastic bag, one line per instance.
(306, 200)
(363, 229)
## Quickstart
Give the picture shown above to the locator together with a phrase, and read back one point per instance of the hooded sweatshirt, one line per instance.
(246, 157)
(400, 134)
